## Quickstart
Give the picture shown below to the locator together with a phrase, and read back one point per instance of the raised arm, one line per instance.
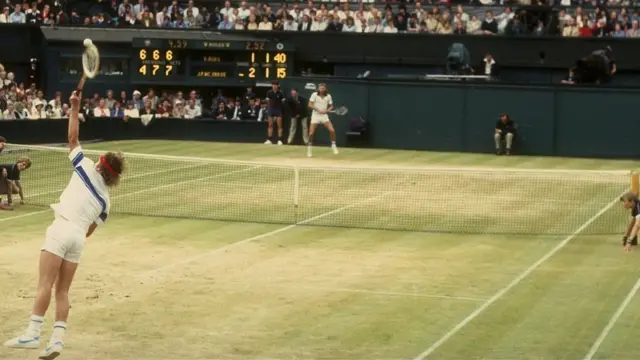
(74, 127)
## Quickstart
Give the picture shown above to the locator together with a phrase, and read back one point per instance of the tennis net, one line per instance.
(452, 200)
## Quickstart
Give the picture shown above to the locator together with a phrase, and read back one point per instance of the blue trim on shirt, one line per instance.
(85, 178)
(77, 159)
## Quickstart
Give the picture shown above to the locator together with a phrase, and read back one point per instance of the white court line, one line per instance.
(394, 293)
(136, 192)
(612, 321)
(261, 236)
(497, 296)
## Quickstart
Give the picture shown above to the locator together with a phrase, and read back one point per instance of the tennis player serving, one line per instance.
(321, 104)
(83, 206)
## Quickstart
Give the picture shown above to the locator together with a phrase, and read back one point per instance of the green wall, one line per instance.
(552, 120)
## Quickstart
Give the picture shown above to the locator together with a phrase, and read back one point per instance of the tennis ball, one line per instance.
(87, 42)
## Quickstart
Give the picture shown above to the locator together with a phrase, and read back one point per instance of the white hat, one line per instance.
(136, 92)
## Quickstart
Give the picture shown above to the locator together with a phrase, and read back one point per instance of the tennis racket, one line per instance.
(342, 110)
(90, 63)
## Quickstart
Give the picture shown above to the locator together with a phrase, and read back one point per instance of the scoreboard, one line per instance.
(209, 62)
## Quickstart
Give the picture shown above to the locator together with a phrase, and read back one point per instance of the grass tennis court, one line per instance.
(538, 275)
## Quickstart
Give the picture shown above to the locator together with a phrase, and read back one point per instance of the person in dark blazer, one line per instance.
(305, 24)
(298, 109)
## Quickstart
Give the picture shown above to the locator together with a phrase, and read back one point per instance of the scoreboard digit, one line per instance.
(157, 62)
(268, 65)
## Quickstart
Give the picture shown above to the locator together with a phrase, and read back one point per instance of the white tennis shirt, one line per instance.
(320, 103)
(85, 200)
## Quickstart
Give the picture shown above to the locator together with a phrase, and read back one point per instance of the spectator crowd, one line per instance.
(364, 17)
(18, 103)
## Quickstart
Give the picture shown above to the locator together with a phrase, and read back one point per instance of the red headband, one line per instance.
(108, 167)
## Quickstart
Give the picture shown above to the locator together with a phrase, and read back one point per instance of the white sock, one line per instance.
(333, 144)
(59, 328)
(35, 325)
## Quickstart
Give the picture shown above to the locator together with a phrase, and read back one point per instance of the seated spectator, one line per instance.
(618, 32)
(252, 25)
(10, 113)
(432, 23)
(505, 130)
(109, 100)
(412, 24)
(265, 24)
(539, 29)
(334, 24)
(101, 110)
(460, 30)
(251, 110)
(504, 19)
(239, 24)
(131, 112)
(178, 110)
(123, 98)
(220, 112)
(633, 31)
(193, 95)
(117, 111)
(150, 97)
(147, 109)
(600, 28)
(235, 110)
(137, 101)
(390, 28)
(38, 112)
(376, 27)
(164, 109)
(192, 110)
(226, 24)
(445, 28)
(290, 25)
(17, 16)
(305, 24)
(489, 25)
(4, 17)
(473, 25)
(262, 113)
(570, 29)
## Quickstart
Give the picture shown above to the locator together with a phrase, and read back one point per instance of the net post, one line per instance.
(296, 186)
(635, 182)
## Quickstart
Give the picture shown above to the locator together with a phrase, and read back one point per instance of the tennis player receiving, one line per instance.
(322, 104)
(83, 206)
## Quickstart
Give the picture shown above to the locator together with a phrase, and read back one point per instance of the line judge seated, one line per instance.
(505, 132)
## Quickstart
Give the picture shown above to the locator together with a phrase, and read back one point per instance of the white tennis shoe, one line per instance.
(52, 351)
(335, 150)
(24, 342)
(279, 142)
(268, 142)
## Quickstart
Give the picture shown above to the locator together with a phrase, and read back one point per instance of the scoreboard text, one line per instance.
(254, 61)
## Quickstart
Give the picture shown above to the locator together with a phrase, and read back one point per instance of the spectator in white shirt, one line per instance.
(38, 112)
(138, 8)
(460, 14)
(227, 9)
(376, 27)
(265, 24)
(290, 25)
(194, 10)
(390, 28)
(349, 26)
(503, 19)
(17, 16)
(319, 24)
(160, 16)
(101, 110)
(243, 11)
(473, 25)
(192, 111)
(131, 112)
(4, 17)
(239, 25)
(10, 113)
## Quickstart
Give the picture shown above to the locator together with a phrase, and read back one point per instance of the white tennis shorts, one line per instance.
(319, 118)
(65, 239)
